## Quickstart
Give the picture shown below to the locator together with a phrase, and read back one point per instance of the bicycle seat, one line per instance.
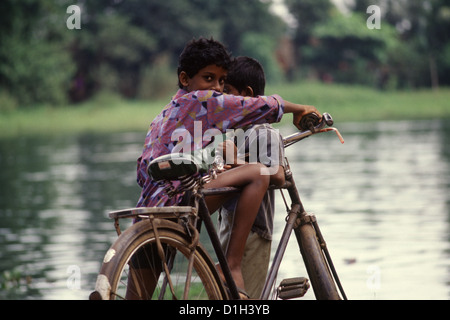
(174, 166)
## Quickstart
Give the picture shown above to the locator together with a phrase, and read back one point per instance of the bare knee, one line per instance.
(259, 176)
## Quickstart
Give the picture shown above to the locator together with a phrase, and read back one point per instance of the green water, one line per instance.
(382, 200)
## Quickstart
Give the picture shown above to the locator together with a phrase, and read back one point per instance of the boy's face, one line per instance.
(230, 89)
(210, 77)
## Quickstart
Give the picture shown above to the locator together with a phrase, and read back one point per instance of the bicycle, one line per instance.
(161, 257)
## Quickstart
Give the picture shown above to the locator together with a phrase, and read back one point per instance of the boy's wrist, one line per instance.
(290, 107)
(298, 111)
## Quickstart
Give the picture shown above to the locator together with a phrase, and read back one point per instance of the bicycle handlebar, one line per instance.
(311, 124)
(312, 120)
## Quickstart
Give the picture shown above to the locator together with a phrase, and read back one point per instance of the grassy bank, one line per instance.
(355, 103)
(345, 103)
(102, 114)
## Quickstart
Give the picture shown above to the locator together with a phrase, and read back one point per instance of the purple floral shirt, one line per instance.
(211, 109)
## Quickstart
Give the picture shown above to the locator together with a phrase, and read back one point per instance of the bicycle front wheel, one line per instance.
(318, 271)
(144, 263)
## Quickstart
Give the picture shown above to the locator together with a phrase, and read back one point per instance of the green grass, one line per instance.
(98, 115)
(107, 113)
(356, 103)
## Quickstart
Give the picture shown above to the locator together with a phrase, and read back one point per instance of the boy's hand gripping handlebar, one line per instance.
(311, 124)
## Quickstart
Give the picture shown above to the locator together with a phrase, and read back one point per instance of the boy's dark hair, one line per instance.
(246, 71)
(200, 53)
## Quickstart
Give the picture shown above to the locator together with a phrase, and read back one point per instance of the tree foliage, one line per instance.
(411, 48)
(34, 65)
(130, 47)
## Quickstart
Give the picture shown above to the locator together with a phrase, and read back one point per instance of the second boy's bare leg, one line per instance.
(253, 185)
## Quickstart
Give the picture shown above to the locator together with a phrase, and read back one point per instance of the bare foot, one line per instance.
(238, 280)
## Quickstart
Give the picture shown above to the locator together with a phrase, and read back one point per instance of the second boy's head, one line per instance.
(245, 78)
(203, 65)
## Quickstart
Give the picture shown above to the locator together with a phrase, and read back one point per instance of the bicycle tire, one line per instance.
(141, 236)
(318, 271)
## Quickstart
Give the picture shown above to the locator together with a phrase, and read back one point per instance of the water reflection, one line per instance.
(54, 195)
(382, 200)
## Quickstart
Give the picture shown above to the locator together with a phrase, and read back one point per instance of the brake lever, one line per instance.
(328, 120)
(336, 131)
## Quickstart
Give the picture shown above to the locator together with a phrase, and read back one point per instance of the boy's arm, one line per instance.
(229, 111)
(298, 111)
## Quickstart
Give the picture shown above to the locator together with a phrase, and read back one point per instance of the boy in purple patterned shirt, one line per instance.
(202, 72)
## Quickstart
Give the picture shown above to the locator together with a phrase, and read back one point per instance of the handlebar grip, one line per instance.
(312, 120)
(309, 121)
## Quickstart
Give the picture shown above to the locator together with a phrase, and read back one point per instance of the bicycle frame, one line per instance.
(297, 216)
(304, 225)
